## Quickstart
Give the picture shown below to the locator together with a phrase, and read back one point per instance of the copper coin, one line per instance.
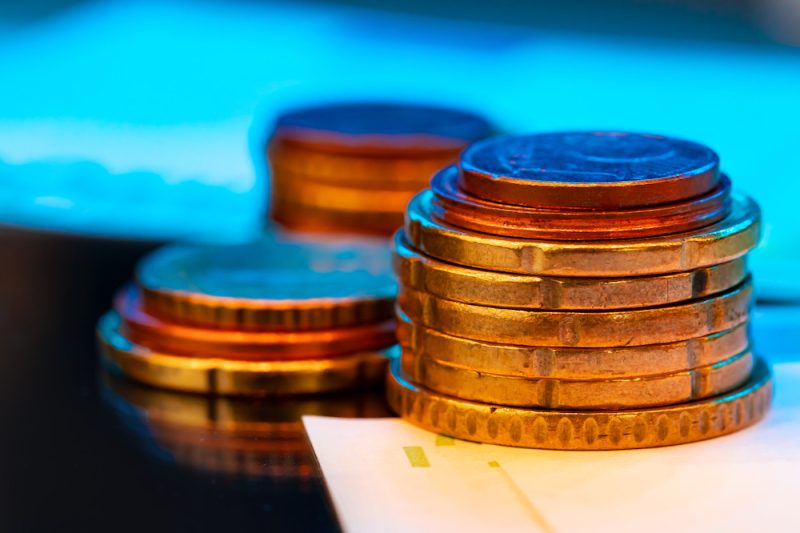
(724, 241)
(230, 377)
(450, 205)
(380, 129)
(588, 170)
(147, 330)
(322, 220)
(399, 172)
(270, 285)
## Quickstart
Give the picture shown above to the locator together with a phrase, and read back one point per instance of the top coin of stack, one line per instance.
(265, 318)
(353, 167)
(578, 291)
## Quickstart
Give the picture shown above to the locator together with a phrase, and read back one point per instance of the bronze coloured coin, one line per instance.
(636, 327)
(569, 362)
(582, 430)
(724, 241)
(232, 377)
(589, 170)
(452, 206)
(550, 393)
(499, 289)
(191, 341)
(269, 285)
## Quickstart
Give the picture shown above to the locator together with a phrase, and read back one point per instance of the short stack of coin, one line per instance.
(579, 290)
(352, 168)
(266, 318)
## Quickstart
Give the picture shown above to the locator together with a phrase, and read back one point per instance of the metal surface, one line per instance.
(381, 128)
(236, 377)
(452, 206)
(270, 285)
(602, 329)
(594, 169)
(571, 363)
(147, 330)
(583, 430)
(725, 241)
(498, 289)
(551, 393)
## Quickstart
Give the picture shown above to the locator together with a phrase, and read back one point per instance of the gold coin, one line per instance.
(583, 430)
(500, 289)
(571, 363)
(269, 285)
(232, 377)
(649, 391)
(654, 325)
(722, 242)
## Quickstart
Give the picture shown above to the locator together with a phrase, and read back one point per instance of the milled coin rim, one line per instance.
(583, 430)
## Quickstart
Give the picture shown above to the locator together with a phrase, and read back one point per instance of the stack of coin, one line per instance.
(353, 167)
(578, 291)
(266, 318)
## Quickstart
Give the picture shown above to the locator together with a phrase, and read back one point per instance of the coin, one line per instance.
(231, 377)
(304, 191)
(583, 430)
(592, 169)
(148, 331)
(452, 206)
(401, 171)
(719, 243)
(498, 289)
(571, 363)
(625, 393)
(269, 285)
(297, 217)
(380, 128)
(652, 325)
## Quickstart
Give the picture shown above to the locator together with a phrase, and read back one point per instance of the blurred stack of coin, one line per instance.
(266, 318)
(578, 291)
(353, 167)
(244, 437)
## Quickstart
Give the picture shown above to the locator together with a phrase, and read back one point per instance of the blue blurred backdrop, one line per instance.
(147, 120)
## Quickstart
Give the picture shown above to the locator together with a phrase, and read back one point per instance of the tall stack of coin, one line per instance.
(352, 168)
(266, 318)
(578, 291)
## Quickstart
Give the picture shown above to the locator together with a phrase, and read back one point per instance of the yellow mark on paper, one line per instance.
(416, 456)
(444, 440)
(494, 464)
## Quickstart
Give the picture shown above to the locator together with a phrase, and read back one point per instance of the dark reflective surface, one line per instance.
(83, 451)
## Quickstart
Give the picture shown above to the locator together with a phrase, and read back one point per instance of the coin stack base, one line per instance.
(578, 291)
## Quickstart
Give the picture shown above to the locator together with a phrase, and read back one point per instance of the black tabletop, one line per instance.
(85, 451)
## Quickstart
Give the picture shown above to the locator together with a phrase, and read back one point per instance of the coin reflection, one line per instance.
(242, 437)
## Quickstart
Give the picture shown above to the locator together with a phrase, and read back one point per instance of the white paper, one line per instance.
(748, 481)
